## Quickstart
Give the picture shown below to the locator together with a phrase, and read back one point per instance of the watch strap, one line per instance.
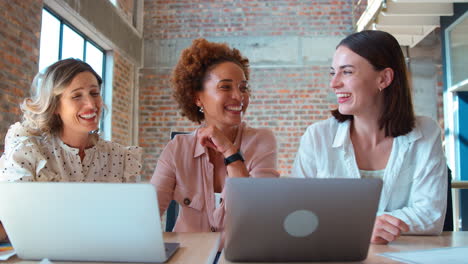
(234, 157)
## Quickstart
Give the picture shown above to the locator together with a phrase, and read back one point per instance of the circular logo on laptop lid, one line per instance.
(301, 223)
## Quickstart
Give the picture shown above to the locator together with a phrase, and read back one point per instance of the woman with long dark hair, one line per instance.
(374, 133)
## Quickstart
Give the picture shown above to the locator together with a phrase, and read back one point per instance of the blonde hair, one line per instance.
(39, 110)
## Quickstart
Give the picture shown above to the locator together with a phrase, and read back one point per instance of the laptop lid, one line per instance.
(290, 219)
(83, 221)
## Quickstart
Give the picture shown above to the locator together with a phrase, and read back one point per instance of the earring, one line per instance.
(201, 109)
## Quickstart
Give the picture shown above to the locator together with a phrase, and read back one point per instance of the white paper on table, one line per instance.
(4, 255)
(431, 256)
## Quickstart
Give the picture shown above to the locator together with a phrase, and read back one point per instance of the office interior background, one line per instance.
(134, 45)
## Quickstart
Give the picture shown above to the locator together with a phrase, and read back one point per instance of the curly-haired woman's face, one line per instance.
(225, 95)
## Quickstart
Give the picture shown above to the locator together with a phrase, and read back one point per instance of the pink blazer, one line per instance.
(185, 174)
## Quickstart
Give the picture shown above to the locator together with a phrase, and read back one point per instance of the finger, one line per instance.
(210, 144)
(383, 224)
(378, 240)
(221, 142)
(400, 224)
(390, 228)
(382, 234)
(202, 139)
(206, 142)
(384, 230)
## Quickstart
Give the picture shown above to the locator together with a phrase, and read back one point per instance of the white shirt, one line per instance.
(368, 174)
(415, 178)
(38, 158)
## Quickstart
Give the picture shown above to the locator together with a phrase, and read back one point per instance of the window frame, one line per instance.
(103, 123)
(463, 84)
(455, 115)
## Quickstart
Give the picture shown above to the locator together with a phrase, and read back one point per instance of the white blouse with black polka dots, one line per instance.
(38, 158)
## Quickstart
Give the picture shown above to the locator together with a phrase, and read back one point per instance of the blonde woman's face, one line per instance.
(80, 105)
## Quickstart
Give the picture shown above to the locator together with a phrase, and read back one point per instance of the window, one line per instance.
(455, 45)
(458, 54)
(50, 40)
(72, 44)
(60, 40)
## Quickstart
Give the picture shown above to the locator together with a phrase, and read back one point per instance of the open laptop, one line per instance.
(286, 219)
(84, 221)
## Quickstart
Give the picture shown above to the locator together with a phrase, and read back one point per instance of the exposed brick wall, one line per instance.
(122, 103)
(284, 99)
(190, 19)
(20, 24)
(295, 98)
(158, 116)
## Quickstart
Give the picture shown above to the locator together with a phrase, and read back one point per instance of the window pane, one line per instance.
(72, 45)
(94, 57)
(459, 51)
(50, 38)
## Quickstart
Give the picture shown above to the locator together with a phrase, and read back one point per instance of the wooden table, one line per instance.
(404, 243)
(459, 184)
(194, 248)
(456, 187)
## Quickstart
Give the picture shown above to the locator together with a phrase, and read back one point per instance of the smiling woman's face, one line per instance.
(356, 83)
(225, 95)
(80, 105)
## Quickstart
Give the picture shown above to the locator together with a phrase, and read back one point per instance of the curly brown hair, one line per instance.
(191, 70)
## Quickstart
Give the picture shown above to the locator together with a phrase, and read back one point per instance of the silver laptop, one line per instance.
(84, 221)
(287, 220)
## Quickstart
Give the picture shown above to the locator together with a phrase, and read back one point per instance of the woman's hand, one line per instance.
(212, 137)
(387, 228)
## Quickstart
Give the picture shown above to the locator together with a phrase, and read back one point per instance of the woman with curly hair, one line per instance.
(210, 84)
(56, 141)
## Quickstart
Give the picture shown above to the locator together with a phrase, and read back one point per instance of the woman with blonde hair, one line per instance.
(57, 140)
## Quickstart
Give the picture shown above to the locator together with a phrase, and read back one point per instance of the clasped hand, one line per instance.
(211, 137)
